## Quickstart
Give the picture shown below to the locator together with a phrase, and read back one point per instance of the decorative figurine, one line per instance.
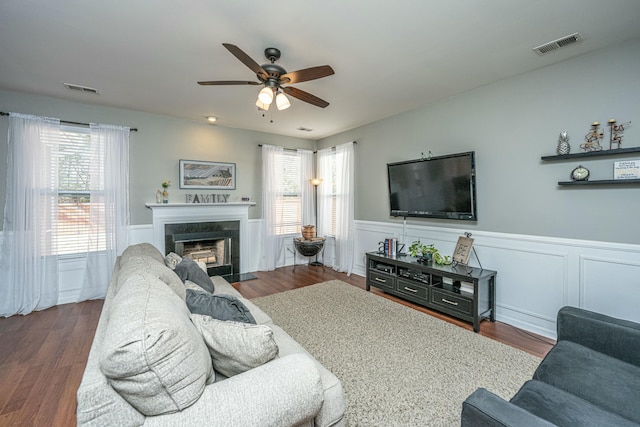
(563, 143)
(592, 139)
(615, 132)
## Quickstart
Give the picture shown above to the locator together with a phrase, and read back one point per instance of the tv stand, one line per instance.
(467, 293)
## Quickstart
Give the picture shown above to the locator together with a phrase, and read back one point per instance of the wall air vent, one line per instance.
(84, 89)
(305, 129)
(557, 44)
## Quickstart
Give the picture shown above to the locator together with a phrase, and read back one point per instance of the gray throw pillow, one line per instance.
(236, 347)
(189, 270)
(221, 307)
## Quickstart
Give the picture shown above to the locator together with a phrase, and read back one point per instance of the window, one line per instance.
(289, 201)
(75, 160)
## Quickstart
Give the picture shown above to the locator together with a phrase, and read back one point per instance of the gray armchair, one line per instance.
(591, 377)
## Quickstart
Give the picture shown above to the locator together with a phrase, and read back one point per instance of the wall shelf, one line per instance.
(591, 154)
(594, 154)
(601, 182)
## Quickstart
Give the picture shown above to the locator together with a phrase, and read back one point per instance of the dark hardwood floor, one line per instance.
(43, 354)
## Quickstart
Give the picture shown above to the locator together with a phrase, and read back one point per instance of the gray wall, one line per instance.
(510, 125)
(155, 150)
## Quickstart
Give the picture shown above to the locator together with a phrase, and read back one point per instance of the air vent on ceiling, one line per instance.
(79, 88)
(557, 44)
(305, 129)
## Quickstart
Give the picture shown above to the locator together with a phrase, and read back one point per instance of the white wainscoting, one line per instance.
(536, 275)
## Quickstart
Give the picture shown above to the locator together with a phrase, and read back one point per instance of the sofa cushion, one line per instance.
(603, 380)
(236, 347)
(142, 249)
(221, 307)
(564, 409)
(153, 355)
(188, 269)
(138, 264)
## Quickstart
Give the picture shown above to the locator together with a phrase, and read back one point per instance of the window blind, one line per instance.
(289, 204)
(80, 212)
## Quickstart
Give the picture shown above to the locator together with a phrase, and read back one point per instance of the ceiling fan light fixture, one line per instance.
(282, 102)
(262, 106)
(266, 95)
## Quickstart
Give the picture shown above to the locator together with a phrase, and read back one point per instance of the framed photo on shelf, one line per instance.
(463, 250)
(207, 175)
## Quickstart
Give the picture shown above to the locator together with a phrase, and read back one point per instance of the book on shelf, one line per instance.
(466, 287)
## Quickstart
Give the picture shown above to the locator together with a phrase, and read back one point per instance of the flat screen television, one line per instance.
(439, 187)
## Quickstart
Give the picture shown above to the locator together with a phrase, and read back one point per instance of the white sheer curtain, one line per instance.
(344, 207)
(306, 173)
(272, 175)
(325, 168)
(336, 201)
(109, 208)
(28, 261)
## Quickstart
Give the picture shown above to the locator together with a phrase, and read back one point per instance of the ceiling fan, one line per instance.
(272, 76)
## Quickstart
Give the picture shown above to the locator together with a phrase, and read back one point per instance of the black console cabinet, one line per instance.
(467, 293)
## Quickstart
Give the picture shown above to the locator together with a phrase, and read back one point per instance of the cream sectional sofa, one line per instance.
(149, 364)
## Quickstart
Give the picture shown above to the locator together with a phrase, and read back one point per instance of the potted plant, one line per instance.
(428, 253)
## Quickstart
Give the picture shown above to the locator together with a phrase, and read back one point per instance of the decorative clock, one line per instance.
(580, 174)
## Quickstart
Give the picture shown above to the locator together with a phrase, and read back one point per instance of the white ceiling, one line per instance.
(388, 57)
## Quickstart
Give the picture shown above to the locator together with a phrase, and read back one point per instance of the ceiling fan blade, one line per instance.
(305, 96)
(246, 59)
(228, 82)
(307, 74)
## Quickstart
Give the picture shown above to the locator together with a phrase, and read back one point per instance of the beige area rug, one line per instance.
(398, 366)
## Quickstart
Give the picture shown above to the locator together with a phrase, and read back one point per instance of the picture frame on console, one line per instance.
(205, 175)
(463, 250)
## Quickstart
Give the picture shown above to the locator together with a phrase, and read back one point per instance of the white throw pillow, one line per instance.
(172, 259)
(236, 347)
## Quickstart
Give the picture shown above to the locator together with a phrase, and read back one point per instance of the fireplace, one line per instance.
(217, 244)
(181, 219)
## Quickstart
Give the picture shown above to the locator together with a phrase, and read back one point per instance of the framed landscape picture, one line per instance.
(207, 175)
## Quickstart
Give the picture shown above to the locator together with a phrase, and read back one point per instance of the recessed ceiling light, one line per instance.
(212, 119)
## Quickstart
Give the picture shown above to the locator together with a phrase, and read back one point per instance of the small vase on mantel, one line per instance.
(159, 196)
(165, 196)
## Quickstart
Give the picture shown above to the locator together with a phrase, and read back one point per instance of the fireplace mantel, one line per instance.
(178, 213)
